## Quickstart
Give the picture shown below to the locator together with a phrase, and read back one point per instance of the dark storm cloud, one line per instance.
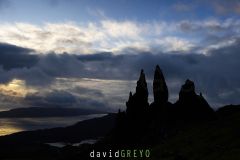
(60, 98)
(93, 104)
(51, 99)
(215, 74)
(16, 57)
(87, 92)
(36, 69)
(96, 57)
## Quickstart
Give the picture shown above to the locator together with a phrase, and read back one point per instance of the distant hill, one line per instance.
(32, 112)
(32, 144)
(88, 129)
(228, 110)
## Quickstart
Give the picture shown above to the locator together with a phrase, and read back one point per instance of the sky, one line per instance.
(88, 53)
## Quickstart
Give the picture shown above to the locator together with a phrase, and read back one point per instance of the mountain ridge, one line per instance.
(32, 112)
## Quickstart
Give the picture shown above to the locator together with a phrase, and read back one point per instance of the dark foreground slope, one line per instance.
(215, 140)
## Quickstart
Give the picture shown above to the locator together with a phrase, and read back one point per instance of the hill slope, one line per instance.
(32, 112)
(218, 139)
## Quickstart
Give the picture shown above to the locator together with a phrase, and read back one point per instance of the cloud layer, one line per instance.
(114, 36)
(97, 64)
(215, 74)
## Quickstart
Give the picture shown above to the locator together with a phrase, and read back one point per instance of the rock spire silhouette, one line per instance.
(145, 123)
(192, 106)
(137, 103)
(160, 90)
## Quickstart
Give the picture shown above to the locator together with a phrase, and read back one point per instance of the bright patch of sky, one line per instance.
(90, 26)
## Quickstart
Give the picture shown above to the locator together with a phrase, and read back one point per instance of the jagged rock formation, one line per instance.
(142, 124)
(187, 90)
(192, 106)
(160, 109)
(134, 121)
(160, 90)
(137, 104)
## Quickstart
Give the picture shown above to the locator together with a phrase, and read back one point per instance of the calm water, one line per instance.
(63, 144)
(12, 125)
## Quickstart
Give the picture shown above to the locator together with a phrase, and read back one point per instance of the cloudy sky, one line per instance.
(88, 53)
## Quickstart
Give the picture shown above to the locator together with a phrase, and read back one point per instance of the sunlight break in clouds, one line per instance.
(114, 36)
(107, 35)
(15, 88)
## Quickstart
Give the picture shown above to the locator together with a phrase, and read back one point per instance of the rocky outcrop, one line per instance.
(191, 106)
(187, 90)
(160, 109)
(141, 89)
(137, 103)
(144, 123)
(160, 90)
(134, 120)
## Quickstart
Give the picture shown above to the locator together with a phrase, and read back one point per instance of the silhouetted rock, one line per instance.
(133, 121)
(151, 124)
(160, 90)
(191, 106)
(141, 89)
(228, 110)
(187, 91)
(160, 113)
(159, 109)
(137, 104)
